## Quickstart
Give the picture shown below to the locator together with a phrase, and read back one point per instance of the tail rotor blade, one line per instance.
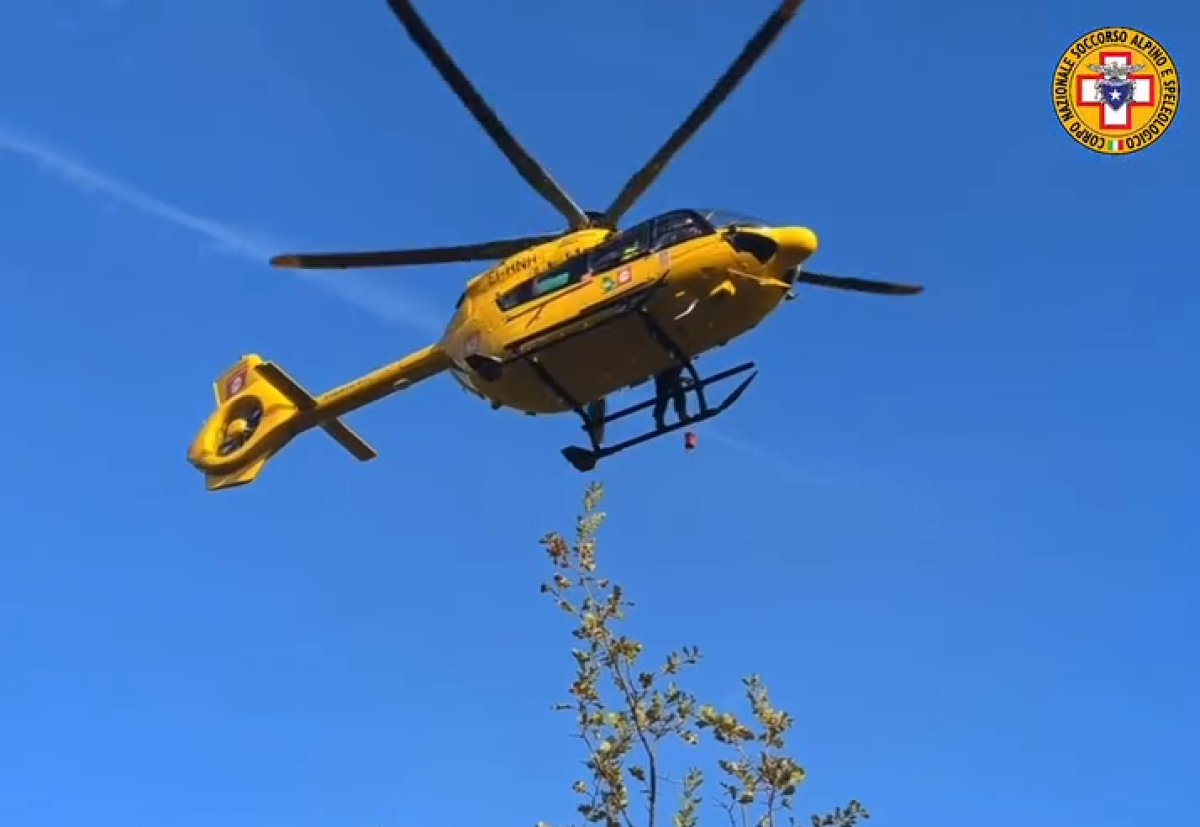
(533, 172)
(487, 251)
(751, 54)
(881, 288)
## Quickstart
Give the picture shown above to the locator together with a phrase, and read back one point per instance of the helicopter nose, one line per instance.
(796, 244)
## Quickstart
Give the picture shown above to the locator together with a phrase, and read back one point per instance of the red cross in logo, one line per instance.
(1144, 94)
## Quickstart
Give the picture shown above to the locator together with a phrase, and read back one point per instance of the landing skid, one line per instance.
(585, 459)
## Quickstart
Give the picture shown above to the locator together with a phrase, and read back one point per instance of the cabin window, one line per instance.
(621, 248)
(560, 278)
(551, 283)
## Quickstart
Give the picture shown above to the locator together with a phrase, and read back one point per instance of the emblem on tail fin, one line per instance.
(235, 383)
(235, 380)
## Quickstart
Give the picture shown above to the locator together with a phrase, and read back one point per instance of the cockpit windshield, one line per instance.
(721, 219)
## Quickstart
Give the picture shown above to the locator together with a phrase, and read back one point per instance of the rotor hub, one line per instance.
(599, 220)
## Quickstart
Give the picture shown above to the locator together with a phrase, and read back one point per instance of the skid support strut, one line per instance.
(585, 459)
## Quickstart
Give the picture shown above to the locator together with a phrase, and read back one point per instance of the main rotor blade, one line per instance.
(882, 288)
(737, 71)
(533, 172)
(488, 251)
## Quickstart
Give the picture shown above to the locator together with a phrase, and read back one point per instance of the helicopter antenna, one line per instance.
(533, 172)
(721, 90)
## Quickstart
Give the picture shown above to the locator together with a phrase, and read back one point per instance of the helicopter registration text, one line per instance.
(510, 268)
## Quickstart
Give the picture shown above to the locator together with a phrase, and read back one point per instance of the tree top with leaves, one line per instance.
(628, 714)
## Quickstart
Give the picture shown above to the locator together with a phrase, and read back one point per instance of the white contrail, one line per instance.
(226, 238)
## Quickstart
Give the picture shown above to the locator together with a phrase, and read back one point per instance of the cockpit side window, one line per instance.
(621, 248)
(569, 273)
(722, 219)
(676, 228)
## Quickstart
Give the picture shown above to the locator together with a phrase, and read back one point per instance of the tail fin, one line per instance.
(260, 409)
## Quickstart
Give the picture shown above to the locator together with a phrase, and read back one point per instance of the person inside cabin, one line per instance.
(669, 388)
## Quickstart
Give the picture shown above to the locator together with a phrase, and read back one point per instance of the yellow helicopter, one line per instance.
(564, 320)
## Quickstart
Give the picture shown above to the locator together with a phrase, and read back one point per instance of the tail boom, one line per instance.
(260, 409)
(308, 405)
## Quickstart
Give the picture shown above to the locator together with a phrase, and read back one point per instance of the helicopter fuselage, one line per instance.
(565, 324)
(565, 320)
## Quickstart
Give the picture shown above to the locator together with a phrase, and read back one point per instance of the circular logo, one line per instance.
(1115, 90)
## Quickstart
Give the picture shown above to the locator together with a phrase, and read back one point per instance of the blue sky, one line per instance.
(967, 520)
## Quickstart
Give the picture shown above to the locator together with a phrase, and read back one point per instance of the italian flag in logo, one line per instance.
(1116, 145)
